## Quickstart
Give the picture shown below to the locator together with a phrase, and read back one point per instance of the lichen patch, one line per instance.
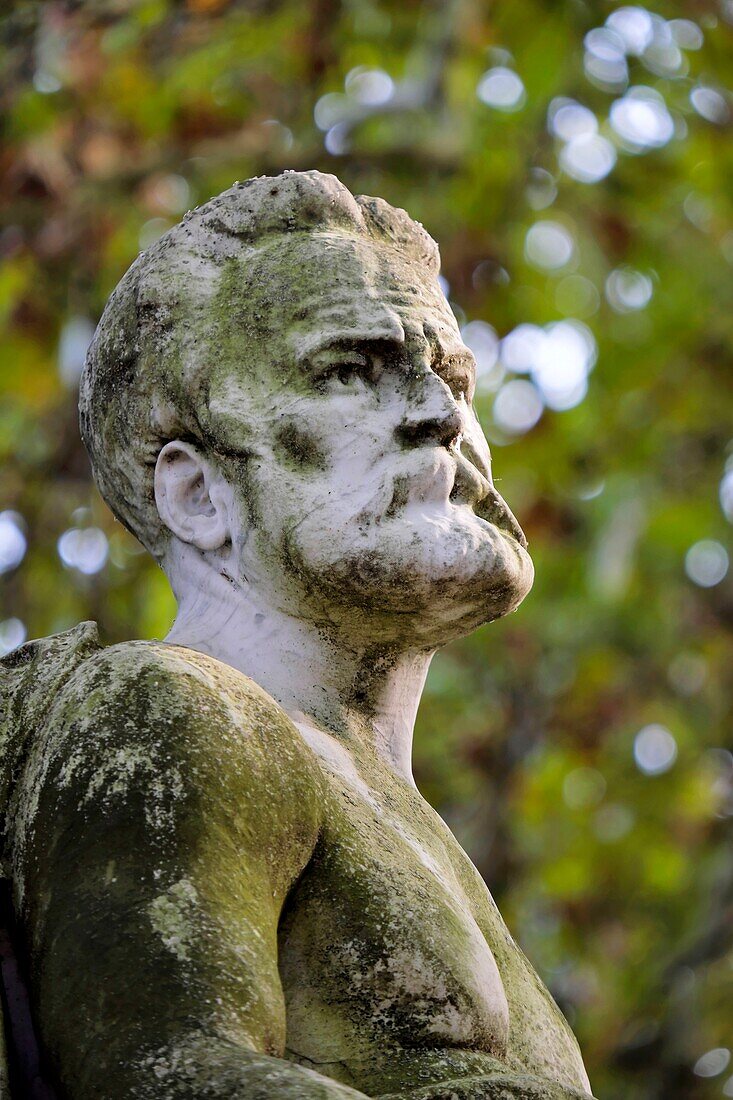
(173, 917)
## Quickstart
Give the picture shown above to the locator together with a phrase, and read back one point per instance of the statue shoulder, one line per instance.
(31, 677)
(148, 731)
(191, 702)
(35, 670)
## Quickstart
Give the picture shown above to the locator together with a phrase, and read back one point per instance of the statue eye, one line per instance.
(346, 372)
(349, 370)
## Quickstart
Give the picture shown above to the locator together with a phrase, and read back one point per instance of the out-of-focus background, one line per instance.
(574, 161)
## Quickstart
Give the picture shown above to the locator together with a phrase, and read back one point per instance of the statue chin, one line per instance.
(438, 573)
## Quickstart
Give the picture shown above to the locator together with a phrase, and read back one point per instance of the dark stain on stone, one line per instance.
(299, 445)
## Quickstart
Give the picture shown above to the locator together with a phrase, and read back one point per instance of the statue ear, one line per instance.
(191, 496)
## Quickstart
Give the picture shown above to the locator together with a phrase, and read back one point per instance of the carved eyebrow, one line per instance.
(326, 348)
(347, 343)
(450, 360)
(460, 356)
(458, 367)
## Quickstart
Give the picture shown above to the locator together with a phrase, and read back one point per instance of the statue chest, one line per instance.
(378, 944)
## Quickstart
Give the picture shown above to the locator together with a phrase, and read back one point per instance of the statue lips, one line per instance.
(472, 487)
(494, 509)
(451, 477)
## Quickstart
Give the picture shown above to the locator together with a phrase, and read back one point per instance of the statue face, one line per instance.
(370, 486)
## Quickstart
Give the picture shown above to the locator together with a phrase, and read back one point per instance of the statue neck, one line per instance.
(353, 690)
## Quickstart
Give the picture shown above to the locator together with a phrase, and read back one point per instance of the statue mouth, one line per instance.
(448, 478)
(494, 509)
(474, 488)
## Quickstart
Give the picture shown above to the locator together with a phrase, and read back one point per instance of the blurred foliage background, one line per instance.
(574, 161)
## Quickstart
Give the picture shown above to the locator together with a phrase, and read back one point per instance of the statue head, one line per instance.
(278, 388)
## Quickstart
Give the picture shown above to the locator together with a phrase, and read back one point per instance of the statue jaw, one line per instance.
(422, 578)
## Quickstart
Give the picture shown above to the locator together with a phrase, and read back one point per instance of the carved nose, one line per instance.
(433, 416)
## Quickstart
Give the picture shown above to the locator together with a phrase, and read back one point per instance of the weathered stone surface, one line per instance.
(228, 882)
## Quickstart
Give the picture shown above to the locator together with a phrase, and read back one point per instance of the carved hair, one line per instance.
(146, 377)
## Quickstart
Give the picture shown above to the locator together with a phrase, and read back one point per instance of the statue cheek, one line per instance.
(299, 447)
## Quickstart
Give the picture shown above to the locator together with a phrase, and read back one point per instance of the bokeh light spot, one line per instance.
(605, 44)
(559, 357)
(169, 194)
(655, 749)
(710, 105)
(634, 27)
(76, 336)
(686, 34)
(483, 341)
(502, 89)
(613, 822)
(712, 1063)
(517, 407)
(604, 62)
(687, 673)
(726, 492)
(280, 136)
(541, 190)
(566, 355)
(706, 563)
(13, 542)
(520, 348)
(369, 87)
(151, 231)
(46, 83)
(628, 290)
(568, 119)
(549, 245)
(489, 273)
(588, 159)
(84, 549)
(330, 109)
(12, 634)
(698, 212)
(336, 141)
(641, 119)
(576, 296)
(663, 55)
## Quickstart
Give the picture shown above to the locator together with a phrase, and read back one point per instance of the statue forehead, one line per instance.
(307, 283)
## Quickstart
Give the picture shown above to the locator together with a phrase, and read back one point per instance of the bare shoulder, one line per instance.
(183, 699)
(187, 701)
(177, 741)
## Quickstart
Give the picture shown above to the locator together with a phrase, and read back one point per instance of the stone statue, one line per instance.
(227, 883)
